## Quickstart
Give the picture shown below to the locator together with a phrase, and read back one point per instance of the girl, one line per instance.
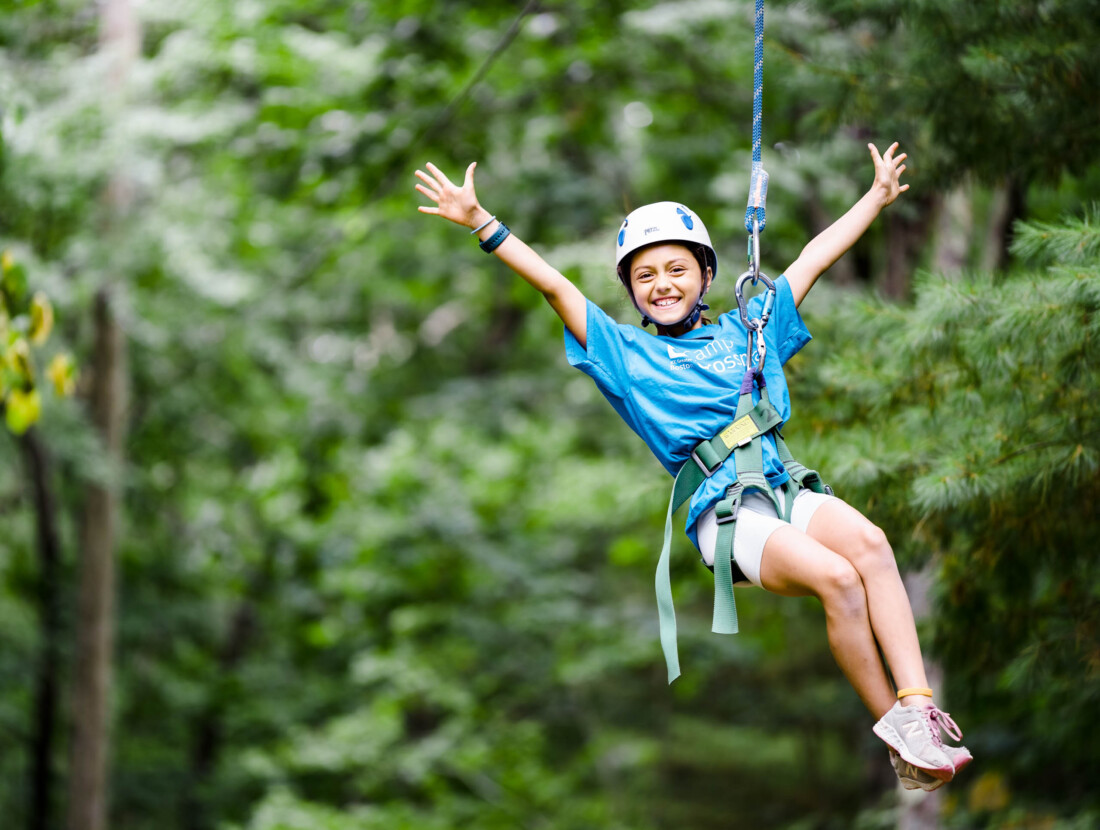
(681, 386)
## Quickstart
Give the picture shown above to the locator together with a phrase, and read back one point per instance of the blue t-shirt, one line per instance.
(677, 391)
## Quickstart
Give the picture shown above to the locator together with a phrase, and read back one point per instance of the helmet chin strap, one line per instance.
(683, 326)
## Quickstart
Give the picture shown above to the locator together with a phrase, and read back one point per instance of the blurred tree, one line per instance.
(26, 322)
(21, 401)
(385, 560)
(93, 676)
(999, 93)
(986, 429)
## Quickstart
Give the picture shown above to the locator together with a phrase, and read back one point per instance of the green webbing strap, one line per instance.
(746, 426)
(724, 620)
(748, 460)
(725, 607)
(801, 475)
(666, 612)
(726, 511)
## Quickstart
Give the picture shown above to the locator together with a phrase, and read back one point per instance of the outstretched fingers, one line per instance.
(899, 168)
(888, 170)
(429, 181)
(429, 191)
(456, 202)
(441, 179)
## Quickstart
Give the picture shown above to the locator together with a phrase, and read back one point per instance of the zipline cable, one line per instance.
(755, 215)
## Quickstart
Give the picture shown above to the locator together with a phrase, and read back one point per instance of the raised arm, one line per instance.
(460, 205)
(829, 245)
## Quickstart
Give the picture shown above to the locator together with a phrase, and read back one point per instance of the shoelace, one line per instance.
(942, 720)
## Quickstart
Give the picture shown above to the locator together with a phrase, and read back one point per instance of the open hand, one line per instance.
(888, 170)
(459, 204)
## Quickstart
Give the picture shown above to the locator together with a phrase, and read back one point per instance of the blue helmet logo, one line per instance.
(622, 232)
(685, 217)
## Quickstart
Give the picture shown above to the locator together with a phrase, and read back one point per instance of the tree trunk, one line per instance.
(1009, 203)
(906, 233)
(93, 672)
(208, 730)
(954, 228)
(96, 598)
(43, 735)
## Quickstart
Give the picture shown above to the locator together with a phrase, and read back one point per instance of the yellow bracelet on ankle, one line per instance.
(906, 692)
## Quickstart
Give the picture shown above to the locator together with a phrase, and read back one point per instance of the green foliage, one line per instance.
(989, 89)
(25, 322)
(987, 434)
(387, 561)
(1073, 241)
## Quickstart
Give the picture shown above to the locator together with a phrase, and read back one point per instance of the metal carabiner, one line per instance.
(742, 306)
(754, 327)
(761, 348)
(755, 330)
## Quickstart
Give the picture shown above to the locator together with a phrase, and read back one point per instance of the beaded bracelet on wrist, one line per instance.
(483, 225)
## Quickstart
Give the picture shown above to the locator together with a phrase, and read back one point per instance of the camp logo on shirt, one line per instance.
(717, 356)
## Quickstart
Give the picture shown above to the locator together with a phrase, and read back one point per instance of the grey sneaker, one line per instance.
(914, 733)
(960, 756)
(914, 778)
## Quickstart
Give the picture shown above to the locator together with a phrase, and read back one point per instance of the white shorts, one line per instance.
(756, 521)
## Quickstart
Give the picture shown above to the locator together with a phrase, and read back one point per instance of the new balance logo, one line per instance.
(912, 729)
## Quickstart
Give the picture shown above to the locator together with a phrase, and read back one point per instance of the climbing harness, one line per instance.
(743, 436)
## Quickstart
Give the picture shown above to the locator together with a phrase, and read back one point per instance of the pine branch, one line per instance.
(1040, 445)
(1072, 241)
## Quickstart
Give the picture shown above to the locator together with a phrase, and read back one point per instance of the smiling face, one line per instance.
(667, 282)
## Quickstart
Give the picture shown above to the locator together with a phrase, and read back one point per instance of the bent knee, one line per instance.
(870, 550)
(841, 589)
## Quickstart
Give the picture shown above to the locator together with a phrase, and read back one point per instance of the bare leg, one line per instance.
(794, 564)
(844, 529)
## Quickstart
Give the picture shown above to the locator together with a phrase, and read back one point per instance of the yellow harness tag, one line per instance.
(739, 433)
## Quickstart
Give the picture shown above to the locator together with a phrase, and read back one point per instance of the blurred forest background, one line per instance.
(330, 536)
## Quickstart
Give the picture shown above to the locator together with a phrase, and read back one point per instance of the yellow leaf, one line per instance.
(62, 374)
(41, 318)
(18, 360)
(989, 793)
(22, 410)
(6, 261)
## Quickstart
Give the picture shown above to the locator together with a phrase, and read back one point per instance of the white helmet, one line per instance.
(663, 222)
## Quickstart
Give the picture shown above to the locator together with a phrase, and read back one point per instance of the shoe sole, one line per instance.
(910, 784)
(894, 741)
